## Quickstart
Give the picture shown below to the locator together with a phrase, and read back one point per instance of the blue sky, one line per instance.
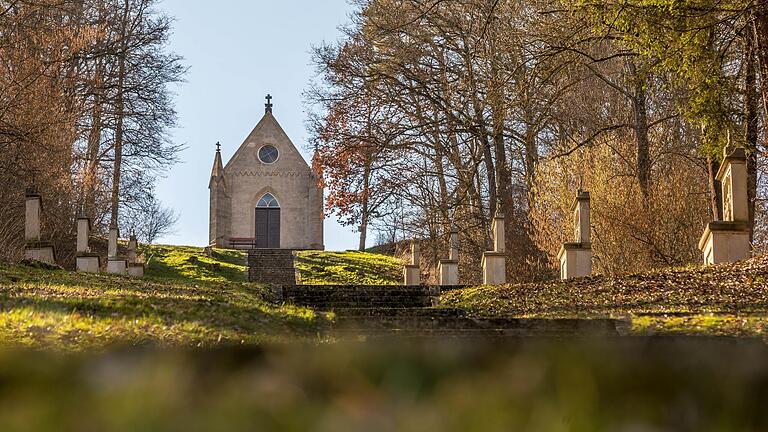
(238, 51)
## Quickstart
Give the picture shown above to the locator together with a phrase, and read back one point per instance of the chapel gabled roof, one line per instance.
(266, 125)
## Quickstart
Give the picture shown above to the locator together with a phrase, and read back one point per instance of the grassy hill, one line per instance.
(361, 268)
(730, 299)
(191, 299)
(191, 264)
(315, 267)
(188, 299)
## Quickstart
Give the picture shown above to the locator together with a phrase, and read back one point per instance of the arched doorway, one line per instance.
(268, 223)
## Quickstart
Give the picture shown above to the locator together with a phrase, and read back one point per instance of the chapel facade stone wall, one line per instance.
(289, 179)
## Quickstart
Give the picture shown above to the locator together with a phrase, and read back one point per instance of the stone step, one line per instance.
(331, 306)
(330, 297)
(271, 266)
(354, 295)
(476, 327)
(399, 312)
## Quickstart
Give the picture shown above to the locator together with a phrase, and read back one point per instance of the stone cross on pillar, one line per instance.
(449, 269)
(454, 255)
(135, 268)
(733, 178)
(269, 105)
(34, 208)
(133, 249)
(83, 234)
(495, 263)
(114, 233)
(87, 262)
(115, 264)
(36, 249)
(729, 240)
(576, 257)
(412, 274)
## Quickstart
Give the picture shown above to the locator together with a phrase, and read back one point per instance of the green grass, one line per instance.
(725, 300)
(183, 302)
(728, 324)
(523, 385)
(190, 263)
(345, 268)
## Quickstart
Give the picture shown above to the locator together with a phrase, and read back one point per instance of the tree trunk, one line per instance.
(761, 48)
(640, 111)
(491, 173)
(715, 192)
(120, 113)
(364, 212)
(531, 159)
(750, 121)
(93, 147)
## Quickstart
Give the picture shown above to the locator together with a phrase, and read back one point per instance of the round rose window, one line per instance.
(268, 154)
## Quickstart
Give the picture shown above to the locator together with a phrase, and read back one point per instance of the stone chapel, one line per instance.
(266, 196)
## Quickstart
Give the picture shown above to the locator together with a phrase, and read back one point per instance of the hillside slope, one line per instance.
(188, 300)
(729, 299)
(348, 268)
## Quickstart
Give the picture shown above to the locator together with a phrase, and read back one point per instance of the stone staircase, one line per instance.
(271, 266)
(383, 311)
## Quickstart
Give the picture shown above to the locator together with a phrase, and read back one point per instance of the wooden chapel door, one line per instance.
(268, 228)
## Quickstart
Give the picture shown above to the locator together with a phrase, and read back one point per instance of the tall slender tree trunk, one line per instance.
(715, 198)
(120, 113)
(531, 160)
(640, 112)
(93, 147)
(491, 174)
(750, 120)
(760, 19)
(364, 210)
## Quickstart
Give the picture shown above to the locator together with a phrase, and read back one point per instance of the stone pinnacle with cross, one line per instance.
(269, 103)
(218, 147)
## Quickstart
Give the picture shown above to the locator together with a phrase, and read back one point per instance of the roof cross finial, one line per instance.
(218, 147)
(269, 103)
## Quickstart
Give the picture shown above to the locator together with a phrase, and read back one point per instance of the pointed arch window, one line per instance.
(268, 201)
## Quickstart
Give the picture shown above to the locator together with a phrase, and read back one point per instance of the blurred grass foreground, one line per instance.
(194, 347)
(636, 384)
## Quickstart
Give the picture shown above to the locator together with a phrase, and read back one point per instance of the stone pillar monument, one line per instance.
(412, 272)
(87, 262)
(728, 240)
(494, 262)
(36, 249)
(115, 263)
(135, 267)
(449, 269)
(576, 257)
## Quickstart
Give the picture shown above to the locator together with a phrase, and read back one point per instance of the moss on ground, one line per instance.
(348, 268)
(187, 300)
(721, 300)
